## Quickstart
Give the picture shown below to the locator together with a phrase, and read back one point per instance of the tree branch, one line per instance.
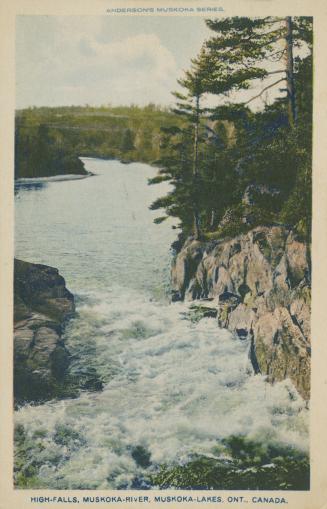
(271, 42)
(272, 57)
(272, 20)
(277, 52)
(263, 90)
(269, 33)
(277, 72)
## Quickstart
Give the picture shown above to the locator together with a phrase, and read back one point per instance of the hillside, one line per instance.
(49, 141)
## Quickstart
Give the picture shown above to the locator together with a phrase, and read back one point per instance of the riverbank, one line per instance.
(156, 364)
(42, 306)
(54, 178)
(130, 134)
(260, 286)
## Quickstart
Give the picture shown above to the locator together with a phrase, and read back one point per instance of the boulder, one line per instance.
(42, 289)
(42, 305)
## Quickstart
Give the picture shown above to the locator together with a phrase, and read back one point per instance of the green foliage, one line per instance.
(230, 167)
(241, 464)
(127, 142)
(211, 157)
(64, 435)
(41, 152)
(28, 448)
(49, 141)
(26, 468)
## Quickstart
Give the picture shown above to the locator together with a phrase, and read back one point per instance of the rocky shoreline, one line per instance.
(42, 305)
(259, 283)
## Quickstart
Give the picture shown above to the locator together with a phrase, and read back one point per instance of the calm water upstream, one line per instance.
(171, 386)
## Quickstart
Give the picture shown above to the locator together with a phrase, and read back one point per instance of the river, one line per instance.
(172, 387)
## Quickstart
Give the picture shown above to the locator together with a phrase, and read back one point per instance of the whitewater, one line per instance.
(172, 387)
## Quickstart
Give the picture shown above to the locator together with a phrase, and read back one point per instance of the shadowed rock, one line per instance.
(42, 305)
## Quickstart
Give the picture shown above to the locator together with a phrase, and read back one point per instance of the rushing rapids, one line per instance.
(173, 388)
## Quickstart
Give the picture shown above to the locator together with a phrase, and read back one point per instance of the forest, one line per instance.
(49, 141)
(231, 167)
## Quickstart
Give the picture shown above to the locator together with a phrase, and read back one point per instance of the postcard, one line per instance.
(163, 246)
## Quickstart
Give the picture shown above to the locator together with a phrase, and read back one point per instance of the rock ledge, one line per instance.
(41, 307)
(260, 283)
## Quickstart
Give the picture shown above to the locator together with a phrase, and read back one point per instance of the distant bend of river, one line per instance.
(172, 388)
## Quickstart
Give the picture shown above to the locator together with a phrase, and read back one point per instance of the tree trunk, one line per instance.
(196, 219)
(213, 218)
(292, 116)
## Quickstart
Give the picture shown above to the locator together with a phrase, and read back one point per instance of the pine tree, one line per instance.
(186, 178)
(244, 48)
(174, 166)
(209, 174)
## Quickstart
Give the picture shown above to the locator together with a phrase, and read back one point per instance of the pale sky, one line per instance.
(100, 60)
(64, 60)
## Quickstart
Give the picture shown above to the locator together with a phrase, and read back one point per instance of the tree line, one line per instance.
(49, 141)
(232, 168)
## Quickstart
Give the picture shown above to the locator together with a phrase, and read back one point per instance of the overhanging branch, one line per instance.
(277, 72)
(263, 90)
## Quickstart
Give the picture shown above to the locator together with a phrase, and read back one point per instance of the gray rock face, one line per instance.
(260, 282)
(281, 349)
(42, 305)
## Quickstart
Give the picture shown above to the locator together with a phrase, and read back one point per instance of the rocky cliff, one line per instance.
(259, 282)
(42, 305)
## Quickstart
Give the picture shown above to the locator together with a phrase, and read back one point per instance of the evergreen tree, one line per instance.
(244, 48)
(214, 178)
(184, 170)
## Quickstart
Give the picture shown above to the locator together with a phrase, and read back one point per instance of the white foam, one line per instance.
(177, 389)
(174, 387)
